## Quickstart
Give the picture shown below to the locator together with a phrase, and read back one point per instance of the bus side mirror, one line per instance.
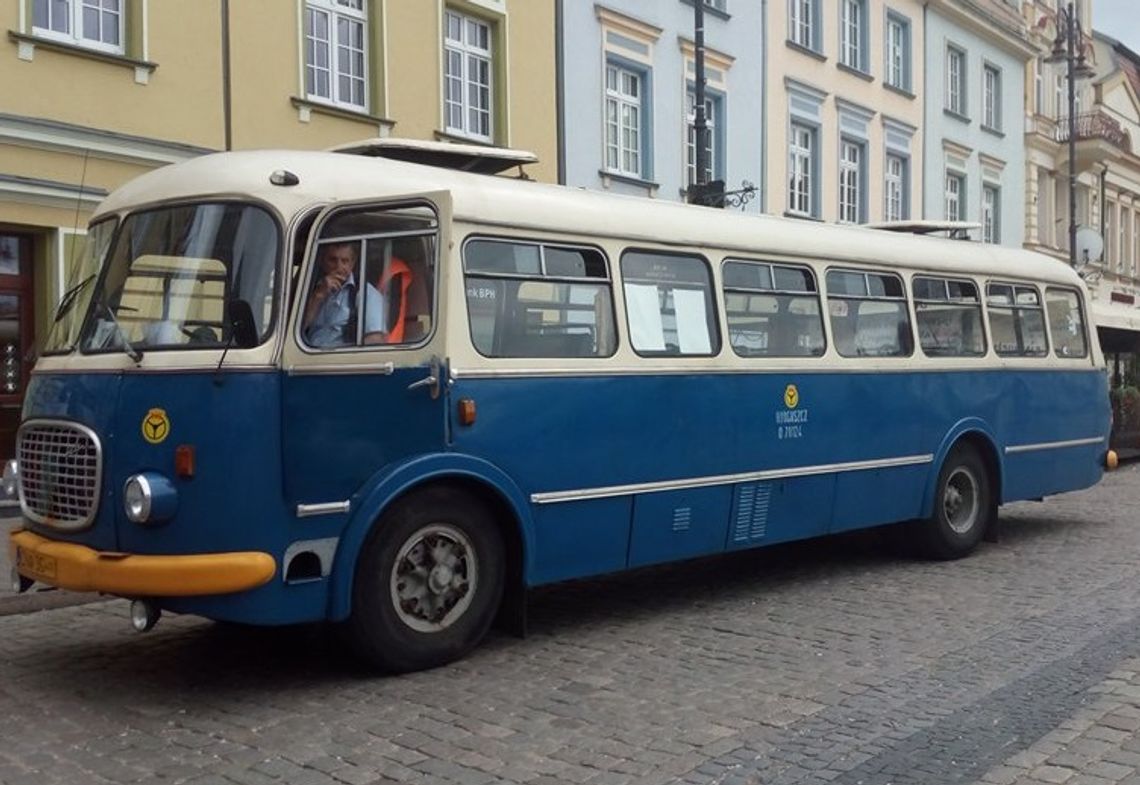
(243, 330)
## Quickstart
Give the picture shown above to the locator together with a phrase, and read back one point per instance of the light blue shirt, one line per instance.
(333, 317)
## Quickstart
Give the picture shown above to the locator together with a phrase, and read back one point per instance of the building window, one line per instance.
(96, 24)
(803, 23)
(1125, 225)
(852, 43)
(991, 98)
(467, 76)
(335, 52)
(623, 121)
(1059, 96)
(956, 80)
(895, 188)
(955, 188)
(850, 182)
(1038, 88)
(898, 52)
(801, 165)
(712, 153)
(991, 214)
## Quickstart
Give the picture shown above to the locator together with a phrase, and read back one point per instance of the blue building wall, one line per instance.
(960, 143)
(650, 38)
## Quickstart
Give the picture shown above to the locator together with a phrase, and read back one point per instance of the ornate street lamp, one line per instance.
(1068, 48)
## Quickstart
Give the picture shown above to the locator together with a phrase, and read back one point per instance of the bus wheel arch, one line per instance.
(964, 498)
(428, 579)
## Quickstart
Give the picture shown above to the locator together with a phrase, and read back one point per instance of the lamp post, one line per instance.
(1068, 48)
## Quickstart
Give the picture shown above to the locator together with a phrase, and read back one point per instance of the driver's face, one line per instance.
(338, 261)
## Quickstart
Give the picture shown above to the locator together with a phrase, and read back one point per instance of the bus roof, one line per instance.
(327, 177)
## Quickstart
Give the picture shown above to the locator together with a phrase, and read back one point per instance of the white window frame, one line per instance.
(898, 52)
(991, 97)
(802, 21)
(954, 196)
(711, 105)
(1059, 96)
(1038, 88)
(623, 116)
(956, 80)
(352, 13)
(801, 164)
(470, 56)
(894, 188)
(852, 47)
(74, 32)
(991, 213)
(850, 181)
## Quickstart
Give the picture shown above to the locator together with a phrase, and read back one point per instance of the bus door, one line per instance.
(363, 370)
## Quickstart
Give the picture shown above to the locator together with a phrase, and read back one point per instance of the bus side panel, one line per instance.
(675, 525)
(878, 496)
(579, 539)
(765, 513)
(1031, 475)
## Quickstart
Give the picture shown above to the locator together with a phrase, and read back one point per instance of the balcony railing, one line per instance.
(1094, 125)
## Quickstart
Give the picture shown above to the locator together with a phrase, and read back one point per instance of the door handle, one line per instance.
(432, 382)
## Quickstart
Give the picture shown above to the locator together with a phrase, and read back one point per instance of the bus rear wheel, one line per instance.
(963, 506)
(428, 582)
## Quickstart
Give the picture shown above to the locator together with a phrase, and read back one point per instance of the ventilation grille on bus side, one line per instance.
(61, 468)
(751, 522)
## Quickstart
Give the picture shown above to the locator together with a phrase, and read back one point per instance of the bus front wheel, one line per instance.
(428, 582)
(963, 506)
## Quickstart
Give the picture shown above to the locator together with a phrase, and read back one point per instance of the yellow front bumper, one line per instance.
(79, 568)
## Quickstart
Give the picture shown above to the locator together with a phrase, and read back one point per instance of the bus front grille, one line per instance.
(61, 467)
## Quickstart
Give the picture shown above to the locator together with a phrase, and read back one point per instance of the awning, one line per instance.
(1115, 315)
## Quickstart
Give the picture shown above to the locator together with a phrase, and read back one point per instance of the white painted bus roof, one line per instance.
(523, 205)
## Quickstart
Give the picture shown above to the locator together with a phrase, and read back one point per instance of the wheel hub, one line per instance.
(434, 578)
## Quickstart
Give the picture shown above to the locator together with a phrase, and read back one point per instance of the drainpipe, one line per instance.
(764, 106)
(1103, 203)
(227, 101)
(560, 89)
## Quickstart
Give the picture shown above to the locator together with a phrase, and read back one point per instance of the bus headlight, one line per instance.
(149, 498)
(11, 481)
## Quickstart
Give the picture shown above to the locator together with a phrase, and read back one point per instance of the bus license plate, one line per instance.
(35, 565)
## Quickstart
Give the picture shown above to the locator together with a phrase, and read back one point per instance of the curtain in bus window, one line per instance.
(646, 331)
(692, 321)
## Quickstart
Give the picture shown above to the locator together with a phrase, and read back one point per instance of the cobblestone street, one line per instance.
(832, 661)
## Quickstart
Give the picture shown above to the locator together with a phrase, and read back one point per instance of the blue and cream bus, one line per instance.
(565, 384)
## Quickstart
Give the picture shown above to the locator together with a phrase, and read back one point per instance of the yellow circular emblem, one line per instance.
(791, 396)
(156, 426)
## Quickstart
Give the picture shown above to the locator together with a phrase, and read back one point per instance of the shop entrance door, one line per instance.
(15, 333)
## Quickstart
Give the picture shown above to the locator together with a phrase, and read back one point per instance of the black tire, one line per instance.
(963, 506)
(429, 580)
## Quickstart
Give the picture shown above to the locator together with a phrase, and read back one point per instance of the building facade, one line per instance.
(96, 93)
(976, 54)
(845, 135)
(627, 95)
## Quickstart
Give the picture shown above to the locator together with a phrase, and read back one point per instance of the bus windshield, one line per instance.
(171, 272)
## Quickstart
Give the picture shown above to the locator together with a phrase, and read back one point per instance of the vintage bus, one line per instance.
(527, 384)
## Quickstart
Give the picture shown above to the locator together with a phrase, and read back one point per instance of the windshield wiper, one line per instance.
(70, 296)
(121, 334)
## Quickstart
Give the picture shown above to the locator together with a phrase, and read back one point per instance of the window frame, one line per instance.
(991, 97)
(856, 170)
(75, 34)
(811, 156)
(609, 281)
(716, 339)
(959, 197)
(797, 26)
(714, 110)
(465, 50)
(856, 42)
(991, 213)
(902, 24)
(771, 264)
(956, 95)
(902, 181)
(334, 11)
(947, 280)
(642, 74)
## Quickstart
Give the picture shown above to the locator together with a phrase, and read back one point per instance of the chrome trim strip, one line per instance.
(951, 366)
(553, 497)
(347, 369)
(324, 508)
(1053, 445)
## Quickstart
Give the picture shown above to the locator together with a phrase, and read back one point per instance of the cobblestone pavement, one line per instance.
(833, 661)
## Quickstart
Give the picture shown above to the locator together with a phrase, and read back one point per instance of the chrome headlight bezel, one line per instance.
(138, 498)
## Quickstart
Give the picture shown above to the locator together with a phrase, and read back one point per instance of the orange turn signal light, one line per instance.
(466, 411)
(1111, 460)
(184, 460)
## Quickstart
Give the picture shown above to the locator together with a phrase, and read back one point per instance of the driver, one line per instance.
(330, 315)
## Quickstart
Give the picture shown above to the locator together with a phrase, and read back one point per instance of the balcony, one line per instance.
(1099, 138)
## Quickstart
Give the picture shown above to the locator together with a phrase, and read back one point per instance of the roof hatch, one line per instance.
(476, 158)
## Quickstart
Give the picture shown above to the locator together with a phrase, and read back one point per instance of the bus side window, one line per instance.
(669, 304)
(868, 313)
(1016, 320)
(529, 299)
(949, 314)
(772, 310)
(1066, 324)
